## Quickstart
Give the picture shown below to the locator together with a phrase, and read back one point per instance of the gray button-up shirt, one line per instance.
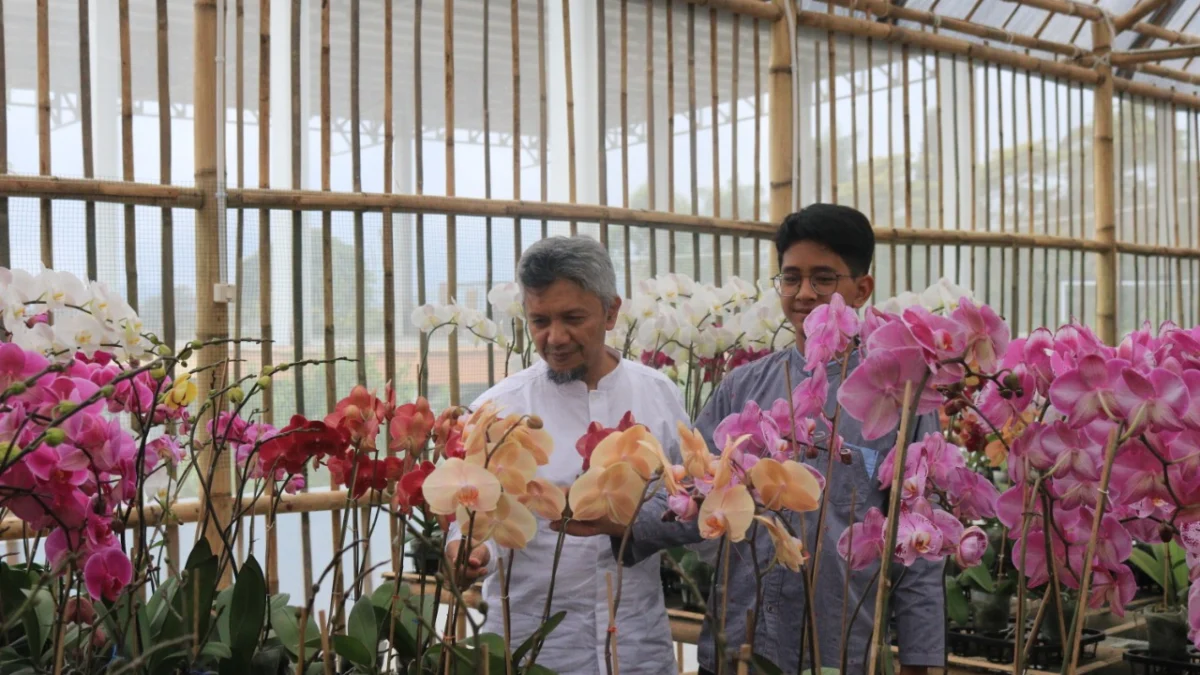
(917, 601)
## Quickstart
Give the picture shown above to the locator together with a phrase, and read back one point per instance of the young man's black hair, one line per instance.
(841, 229)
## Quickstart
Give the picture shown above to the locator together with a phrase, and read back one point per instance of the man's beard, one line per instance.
(566, 377)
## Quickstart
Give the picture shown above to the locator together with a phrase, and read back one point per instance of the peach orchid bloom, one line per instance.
(510, 524)
(671, 473)
(456, 483)
(635, 446)
(613, 492)
(723, 468)
(478, 426)
(537, 442)
(696, 457)
(785, 485)
(544, 498)
(789, 551)
(727, 511)
(511, 463)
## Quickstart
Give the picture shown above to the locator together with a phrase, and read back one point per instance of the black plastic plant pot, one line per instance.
(992, 610)
(1146, 662)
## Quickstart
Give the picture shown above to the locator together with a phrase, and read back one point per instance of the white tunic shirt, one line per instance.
(577, 645)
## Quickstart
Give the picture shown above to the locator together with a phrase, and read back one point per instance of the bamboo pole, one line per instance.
(5, 243)
(212, 320)
(164, 171)
(818, 166)
(298, 274)
(1030, 168)
(716, 138)
(871, 141)
(891, 169)
(758, 9)
(908, 206)
(601, 86)
(335, 517)
(489, 235)
(419, 176)
(360, 284)
(85, 123)
(671, 244)
(570, 87)
(625, 140)
(830, 40)
(1175, 213)
(693, 165)
(115, 192)
(781, 127)
(515, 27)
(43, 97)
(757, 214)
(974, 162)
(735, 98)
(1133, 126)
(1106, 273)
(395, 533)
(131, 271)
(451, 221)
(925, 161)
(544, 162)
(651, 142)
(240, 149)
(1138, 12)
(1125, 59)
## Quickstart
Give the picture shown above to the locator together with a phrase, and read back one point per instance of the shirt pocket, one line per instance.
(858, 481)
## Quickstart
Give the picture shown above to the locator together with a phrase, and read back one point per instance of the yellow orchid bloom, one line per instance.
(785, 485)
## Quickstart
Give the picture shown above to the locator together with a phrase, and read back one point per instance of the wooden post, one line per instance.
(212, 319)
(781, 126)
(1106, 270)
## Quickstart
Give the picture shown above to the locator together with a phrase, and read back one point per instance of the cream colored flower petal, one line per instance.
(726, 512)
(544, 498)
(622, 487)
(789, 551)
(585, 499)
(481, 528)
(515, 524)
(513, 465)
(724, 471)
(456, 483)
(696, 456)
(668, 470)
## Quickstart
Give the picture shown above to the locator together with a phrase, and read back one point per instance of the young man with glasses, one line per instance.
(821, 250)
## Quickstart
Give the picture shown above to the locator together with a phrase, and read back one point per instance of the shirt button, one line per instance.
(770, 609)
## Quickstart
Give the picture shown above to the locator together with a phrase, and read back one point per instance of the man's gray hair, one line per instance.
(580, 259)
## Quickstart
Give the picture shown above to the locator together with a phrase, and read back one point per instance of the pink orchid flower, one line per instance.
(941, 338)
(1194, 614)
(1086, 392)
(809, 397)
(1072, 452)
(18, 365)
(764, 437)
(1159, 401)
(107, 573)
(975, 496)
(1035, 354)
(827, 331)
(874, 319)
(874, 391)
(952, 531)
(972, 546)
(917, 538)
(986, 336)
(1137, 474)
(862, 543)
(1116, 587)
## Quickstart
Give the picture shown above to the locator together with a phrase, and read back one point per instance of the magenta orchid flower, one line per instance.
(1114, 587)
(827, 331)
(107, 573)
(975, 495)
(1086, 392)
(765, 438)
(874, 392)
(972, 545)
(917, 537)
(951, 529)
(861, 544)
(986, 336)
(809, 397)
(1160, 400)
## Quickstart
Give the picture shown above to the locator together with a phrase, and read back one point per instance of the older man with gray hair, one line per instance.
(571, 302)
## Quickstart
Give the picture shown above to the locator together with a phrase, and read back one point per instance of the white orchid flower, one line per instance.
(507, 300)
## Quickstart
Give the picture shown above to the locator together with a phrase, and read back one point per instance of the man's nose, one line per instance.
(805, 291)
(556, 335)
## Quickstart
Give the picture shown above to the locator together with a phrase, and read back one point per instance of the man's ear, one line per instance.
(864, 286)
(614, 308)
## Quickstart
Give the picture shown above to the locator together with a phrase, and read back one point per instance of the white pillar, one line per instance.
(105, 53)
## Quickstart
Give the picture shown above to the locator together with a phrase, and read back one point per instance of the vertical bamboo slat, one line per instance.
(781, 129)
(1106, 273)
(1030, 168)
(1175, 213)
(757, 143)
(601, 86)
(974, 162)
(85, 124)
(570, 86)
(395, 533)
(670, 130)
(43, 96)
(489, 238)
(360, 284)
(5, 242)
(693, 165)
(419, 178)
(164, 170)
(831, 41)
(240, 159)
(131, 271)
(516, 124)
(628, 248)
(735, 98)
(926, 159)
(212, 322)
(716, 138)
(451, 222)
(906, 116)
(298, 274)
(544, 164)
(651, 130)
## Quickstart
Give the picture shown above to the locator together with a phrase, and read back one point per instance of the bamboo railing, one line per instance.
(1022, 166)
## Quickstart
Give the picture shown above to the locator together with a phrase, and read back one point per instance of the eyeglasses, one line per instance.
(822, 283)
